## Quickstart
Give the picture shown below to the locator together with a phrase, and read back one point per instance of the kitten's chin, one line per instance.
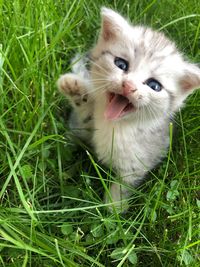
(118, 106)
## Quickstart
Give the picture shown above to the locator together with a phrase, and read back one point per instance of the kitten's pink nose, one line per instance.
(128, 87)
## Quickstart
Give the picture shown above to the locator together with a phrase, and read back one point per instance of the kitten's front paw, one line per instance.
(73, 86)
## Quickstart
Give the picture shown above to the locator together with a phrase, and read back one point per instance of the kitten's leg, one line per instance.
(77, 90)
(120, 191)
(118, 197)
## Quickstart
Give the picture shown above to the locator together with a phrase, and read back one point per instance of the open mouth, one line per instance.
(118, 106)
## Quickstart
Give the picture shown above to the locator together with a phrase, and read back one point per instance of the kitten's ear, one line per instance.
(191, 78)
(112, 25)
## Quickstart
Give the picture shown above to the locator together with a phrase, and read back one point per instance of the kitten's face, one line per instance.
(138, 72)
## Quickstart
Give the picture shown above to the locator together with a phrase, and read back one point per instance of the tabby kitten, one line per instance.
(136, 81)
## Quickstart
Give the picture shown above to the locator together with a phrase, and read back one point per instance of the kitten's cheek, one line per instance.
(143, 100)
(135, 97)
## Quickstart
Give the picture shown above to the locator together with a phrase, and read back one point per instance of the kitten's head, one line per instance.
(138, 72)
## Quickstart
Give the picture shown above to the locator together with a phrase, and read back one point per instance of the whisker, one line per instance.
(99, 66)
(95, 91)
(100, 79)
(99, 74)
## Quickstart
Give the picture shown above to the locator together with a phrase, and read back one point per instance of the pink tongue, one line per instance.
(115, 107)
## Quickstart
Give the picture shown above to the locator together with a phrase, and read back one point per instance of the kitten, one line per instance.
(137, 80)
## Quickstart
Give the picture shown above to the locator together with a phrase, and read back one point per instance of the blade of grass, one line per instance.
(21, 154)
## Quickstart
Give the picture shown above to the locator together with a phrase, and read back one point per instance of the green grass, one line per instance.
(51, 212)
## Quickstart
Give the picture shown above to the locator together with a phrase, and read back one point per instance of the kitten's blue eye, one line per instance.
(154, 84)
(121, 63)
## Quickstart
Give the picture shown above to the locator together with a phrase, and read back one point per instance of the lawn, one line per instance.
(51, 189)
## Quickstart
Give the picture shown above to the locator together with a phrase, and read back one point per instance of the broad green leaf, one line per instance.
(97, 230)
(174, 183)
(172, 194)
(118, 253)
(187, 258)
(132, 257)
(26, 171)
(66, 229)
